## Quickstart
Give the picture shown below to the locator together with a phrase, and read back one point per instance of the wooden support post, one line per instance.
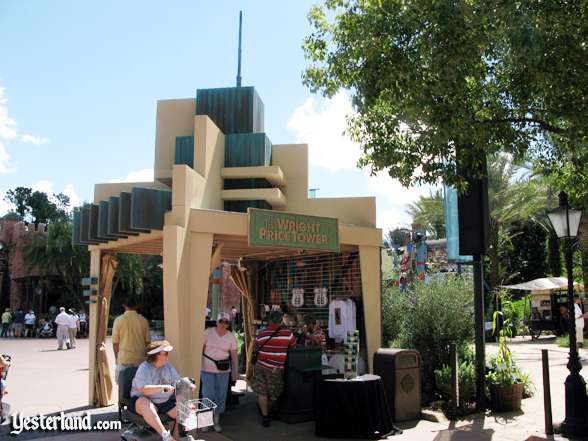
(454, 363)
(546, 393)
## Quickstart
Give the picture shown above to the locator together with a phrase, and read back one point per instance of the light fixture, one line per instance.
(564, 219)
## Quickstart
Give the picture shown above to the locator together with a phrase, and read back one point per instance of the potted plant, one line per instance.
(506, 381)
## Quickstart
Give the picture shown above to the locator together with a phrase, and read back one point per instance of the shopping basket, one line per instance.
(196, 414)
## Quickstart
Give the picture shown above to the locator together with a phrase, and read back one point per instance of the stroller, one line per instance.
(4, 407)
(191, 414)
(45, 330)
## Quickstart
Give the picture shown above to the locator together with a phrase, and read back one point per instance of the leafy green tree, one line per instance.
(527, 257)
(19, 198)
(427, 78)
(53, 253)
(38, 206)
(428, 212)
(129, 274)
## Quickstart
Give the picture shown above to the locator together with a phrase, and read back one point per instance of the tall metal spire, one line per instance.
(239, 56)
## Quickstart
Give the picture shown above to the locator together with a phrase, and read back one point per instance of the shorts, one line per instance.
(268, 382)
(164, 407)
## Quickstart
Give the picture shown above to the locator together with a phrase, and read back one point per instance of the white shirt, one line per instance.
(578, 315)
(73, 321)
(30, 318)
(62, 319)
(342, 318)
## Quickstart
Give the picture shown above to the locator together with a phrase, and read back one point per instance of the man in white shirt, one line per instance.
(30, 320)
(62, 321)
(579, 317)
(73, 327)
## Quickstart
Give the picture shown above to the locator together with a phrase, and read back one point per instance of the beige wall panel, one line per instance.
(196, 296)
(213, 141)
(219, 222)
(93, 325)
(293, 160)
(174, 118)
(103, 191)
(354, 211)
(174, 257)
(369, 259)
(187, 193)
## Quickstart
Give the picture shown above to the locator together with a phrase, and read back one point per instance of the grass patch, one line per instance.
(563, 341)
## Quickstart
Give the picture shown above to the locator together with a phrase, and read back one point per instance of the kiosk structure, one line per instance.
(223, 192)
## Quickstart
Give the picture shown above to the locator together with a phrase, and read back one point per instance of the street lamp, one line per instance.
(565, 221)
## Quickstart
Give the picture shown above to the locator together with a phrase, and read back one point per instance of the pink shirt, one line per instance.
(218, 348)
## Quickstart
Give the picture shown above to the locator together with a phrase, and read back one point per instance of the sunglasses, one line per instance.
(226, 322)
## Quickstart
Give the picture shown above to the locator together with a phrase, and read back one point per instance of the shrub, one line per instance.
(467, 381)
(392, 311)
(430, 318)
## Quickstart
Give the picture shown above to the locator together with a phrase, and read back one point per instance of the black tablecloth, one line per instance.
(353, 409)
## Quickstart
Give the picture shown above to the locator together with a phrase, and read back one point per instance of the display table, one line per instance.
(354, 408)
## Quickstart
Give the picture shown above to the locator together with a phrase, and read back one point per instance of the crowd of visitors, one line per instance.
(23, 324)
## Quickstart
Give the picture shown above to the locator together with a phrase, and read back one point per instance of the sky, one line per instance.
(79, 82)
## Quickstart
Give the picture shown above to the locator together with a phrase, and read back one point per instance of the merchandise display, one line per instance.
(342, 319)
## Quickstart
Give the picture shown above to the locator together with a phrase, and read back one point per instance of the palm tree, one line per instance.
(514, 194)
(428, 212)
(53, 253)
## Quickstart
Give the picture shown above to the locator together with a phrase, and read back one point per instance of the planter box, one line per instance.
(506, 398)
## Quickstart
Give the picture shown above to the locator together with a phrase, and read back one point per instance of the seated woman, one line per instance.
(153, 389)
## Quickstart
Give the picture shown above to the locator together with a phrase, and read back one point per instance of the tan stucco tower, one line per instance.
(213, 161)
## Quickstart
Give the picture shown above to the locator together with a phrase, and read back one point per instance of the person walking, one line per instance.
(83, 324)
(219, 362)
(30, 319)
(271, 346)
(18, 320)
(130, 336)
(73, 327)
(6, 321)
(62, 321)
(579, 321)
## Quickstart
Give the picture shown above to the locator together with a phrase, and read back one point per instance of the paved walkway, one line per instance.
(44, 380)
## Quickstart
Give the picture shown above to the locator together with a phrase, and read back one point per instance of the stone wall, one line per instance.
(15, 236)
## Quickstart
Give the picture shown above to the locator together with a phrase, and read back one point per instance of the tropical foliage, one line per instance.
(428, 212)
(53, 253)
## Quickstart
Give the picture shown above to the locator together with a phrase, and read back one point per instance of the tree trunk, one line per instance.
(583, 245)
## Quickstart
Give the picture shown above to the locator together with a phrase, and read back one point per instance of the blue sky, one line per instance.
(79, 81)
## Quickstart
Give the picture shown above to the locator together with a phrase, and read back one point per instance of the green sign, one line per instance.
(269, 228)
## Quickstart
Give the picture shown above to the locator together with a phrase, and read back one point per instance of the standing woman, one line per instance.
(219, 362)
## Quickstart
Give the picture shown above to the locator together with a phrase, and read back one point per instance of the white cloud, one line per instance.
(7, 133)
(44, 186)
(144, 175)
(32, 139)
(74, 199)
(322, 127)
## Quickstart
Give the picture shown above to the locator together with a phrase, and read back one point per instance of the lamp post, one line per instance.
(565, 221)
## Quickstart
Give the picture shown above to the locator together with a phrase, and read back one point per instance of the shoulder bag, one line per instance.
(257, 350)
